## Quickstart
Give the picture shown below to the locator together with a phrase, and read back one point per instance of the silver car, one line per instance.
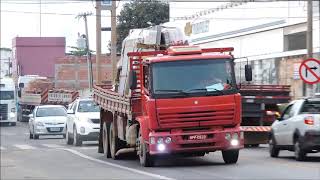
(47, 120)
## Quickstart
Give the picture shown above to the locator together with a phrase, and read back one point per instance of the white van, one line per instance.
(8, 110)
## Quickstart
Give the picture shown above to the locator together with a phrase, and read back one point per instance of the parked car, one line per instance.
(298, 129)
(83, 122)
(47, 120)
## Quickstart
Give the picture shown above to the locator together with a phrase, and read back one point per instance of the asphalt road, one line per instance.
(51, 158)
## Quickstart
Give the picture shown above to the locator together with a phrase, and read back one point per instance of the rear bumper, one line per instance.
(311, 140)
(180, 142)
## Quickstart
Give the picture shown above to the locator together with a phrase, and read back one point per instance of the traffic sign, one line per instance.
(309, 71)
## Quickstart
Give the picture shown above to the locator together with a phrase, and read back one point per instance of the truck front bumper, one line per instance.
(178, 141)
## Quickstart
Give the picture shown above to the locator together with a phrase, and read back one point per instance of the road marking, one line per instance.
(52, 145)
(91, 147)
(24, 146)
(117, 166)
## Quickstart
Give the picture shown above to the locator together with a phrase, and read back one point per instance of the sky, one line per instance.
(58, 19)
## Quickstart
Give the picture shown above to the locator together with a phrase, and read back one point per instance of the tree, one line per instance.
(140, 14)
(79, 51)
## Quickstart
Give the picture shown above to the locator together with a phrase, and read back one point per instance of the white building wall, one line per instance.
(6, 58)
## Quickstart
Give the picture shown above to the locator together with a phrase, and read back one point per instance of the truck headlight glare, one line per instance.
(161, 147)
(234, 142)
(160, 140)
(168, 140)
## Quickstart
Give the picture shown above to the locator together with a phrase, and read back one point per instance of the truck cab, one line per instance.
(8, 109)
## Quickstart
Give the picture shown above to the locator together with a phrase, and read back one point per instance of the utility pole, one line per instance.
(98, 41)
(310, 89)
(40, 17)
(90, 79)
(114, 40)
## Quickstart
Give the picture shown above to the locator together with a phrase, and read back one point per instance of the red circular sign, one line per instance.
(309, 71)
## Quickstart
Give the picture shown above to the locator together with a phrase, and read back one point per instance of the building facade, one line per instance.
(5, 62)
(36, 55)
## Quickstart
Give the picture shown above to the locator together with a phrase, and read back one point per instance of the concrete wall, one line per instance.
(36, 55)
(72, 71)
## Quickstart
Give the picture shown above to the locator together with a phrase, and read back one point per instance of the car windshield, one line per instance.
(311, 107)
(88, 106)
(6, 95)
(51, 111)
(201, 76)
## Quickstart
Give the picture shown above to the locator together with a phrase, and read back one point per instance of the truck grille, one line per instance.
(3, 112)
(206, 116)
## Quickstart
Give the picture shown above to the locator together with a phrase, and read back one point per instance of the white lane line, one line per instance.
(118, 166)
(93, 147)
(52, 145)
(2, 148)
(24, 146)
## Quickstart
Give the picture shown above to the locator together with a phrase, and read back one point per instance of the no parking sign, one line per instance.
(309, 71)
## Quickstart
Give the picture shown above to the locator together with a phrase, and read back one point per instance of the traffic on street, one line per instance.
(160, 89)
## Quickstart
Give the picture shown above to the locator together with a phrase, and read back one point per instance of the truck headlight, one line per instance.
(168, 140)
(160, 140)
(12, 115)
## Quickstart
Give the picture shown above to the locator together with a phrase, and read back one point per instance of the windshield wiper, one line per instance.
(206, 90)
(172, 90)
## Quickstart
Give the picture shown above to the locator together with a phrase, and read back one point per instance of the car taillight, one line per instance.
(309, 120)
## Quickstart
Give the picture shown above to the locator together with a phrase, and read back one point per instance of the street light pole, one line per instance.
(309, 87)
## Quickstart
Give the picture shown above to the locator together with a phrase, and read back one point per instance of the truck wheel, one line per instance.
(273, 148)
(299, 154)
(114, 142)
(13, 124)
(230, 156)
(145, 158)
(105, 140)
(36, 136)
(76, 137)
(69, 139)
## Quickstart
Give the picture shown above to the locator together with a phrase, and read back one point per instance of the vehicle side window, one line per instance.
(287, 113)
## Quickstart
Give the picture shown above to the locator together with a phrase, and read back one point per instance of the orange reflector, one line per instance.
(309, 120)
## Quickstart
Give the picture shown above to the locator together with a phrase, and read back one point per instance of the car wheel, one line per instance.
(230, 156)
(105, 139)
(76, 137)
(273, 148)
(114, 142)
(69, 139)
(35, 136)
(145, 158)
(298, 151)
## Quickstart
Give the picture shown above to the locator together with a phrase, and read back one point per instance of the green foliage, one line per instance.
(140, 14)
(79, 51)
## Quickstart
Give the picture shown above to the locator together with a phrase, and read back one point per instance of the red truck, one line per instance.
(168, 111)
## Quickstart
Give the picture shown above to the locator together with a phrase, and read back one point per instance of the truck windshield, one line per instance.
(6, 95)
(88, 106)
(196, 77)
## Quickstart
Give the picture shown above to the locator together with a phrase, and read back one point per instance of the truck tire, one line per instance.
(36, 136)
(273, 148)
(76, 137)
(230, 156)
(114, 142)
(30, 135)
(69, 139)
(299, 154)
(105, 140)
(145, 158)
(13, 124)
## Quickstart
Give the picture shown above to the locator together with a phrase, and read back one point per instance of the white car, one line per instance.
(83, 122)
(47, 120)
(298, 129)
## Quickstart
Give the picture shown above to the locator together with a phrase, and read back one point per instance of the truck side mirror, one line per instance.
(132, 80)
(248, 72)
(21, 85)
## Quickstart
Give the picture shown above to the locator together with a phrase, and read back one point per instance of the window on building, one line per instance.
(295, 41)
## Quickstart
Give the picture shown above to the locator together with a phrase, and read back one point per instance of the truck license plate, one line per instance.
(197, 137)
(55, 129)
